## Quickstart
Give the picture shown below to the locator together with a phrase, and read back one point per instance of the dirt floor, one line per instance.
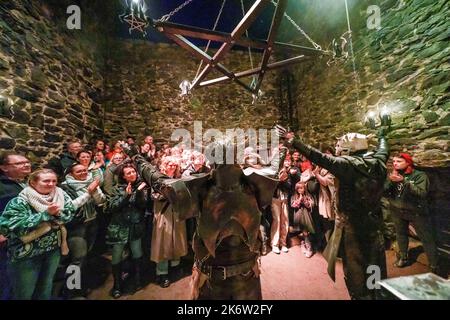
(287, 276)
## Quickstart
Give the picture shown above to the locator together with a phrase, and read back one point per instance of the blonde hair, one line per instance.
(35, 175)
(165, 162)
(300, 183)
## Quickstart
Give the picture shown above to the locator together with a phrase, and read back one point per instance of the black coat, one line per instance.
(8, 189)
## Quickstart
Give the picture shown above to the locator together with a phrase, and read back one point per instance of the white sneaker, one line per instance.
(284, 249)
(276, 250)
(308, 251)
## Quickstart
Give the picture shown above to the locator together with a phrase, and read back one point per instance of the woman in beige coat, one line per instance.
(169, 241)
(327, 197)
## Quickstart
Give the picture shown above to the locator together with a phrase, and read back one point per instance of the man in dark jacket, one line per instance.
(407, 191)
(14, 169)
(66, 159)
(357, 235)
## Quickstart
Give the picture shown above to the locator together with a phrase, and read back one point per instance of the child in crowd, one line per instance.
(302, 203)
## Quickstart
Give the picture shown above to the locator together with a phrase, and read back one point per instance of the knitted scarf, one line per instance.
(40, 202)
(80, 186)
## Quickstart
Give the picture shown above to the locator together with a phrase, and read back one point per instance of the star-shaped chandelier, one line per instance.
(238, 36)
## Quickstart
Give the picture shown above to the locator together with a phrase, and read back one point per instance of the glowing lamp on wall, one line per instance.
(370, 120)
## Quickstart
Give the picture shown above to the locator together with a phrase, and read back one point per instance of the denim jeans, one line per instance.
(81, 239)
(117, 250)
(162, 267)
(33, 278)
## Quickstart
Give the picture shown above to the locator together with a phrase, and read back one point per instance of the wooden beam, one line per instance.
(250, 72)
(238, 31)
(197, 52)
(205, 34)
(276, 22)
(218, 36)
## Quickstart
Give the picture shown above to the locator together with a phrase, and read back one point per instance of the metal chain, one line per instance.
(166, 17)
(246, 33)
(209, 41)
(316, 46)
(355, 72)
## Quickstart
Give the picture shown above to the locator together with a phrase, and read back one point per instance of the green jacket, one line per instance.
(128, 211)
(410, 195)
(110, 179)
(19, 218)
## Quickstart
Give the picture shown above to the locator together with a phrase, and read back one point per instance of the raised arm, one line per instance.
(382, 152)
(338, 166)
(149, 173)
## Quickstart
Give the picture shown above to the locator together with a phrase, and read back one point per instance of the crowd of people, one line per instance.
(94, 193)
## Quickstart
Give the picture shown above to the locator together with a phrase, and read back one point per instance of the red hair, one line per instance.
(409, 160)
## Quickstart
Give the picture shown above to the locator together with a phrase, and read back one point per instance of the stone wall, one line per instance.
(50, 82)
(142, 93)
(403, 66)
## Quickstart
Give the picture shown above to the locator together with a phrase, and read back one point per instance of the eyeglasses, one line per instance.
(19, 164)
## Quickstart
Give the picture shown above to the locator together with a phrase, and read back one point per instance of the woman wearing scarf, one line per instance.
(84, 157)
(82, 230)
(127, 204)
(33, 223)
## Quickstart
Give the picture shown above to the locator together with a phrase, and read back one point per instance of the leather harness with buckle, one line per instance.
(225, 272)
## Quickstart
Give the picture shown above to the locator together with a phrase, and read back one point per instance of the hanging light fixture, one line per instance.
(370, 120)
(135, 16)
(239, 36)
(385, 117)
(185, 87)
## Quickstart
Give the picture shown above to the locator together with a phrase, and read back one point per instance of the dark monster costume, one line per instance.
(357, 236)
(227, 203)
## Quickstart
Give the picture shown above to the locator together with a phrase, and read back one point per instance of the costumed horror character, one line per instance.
(357, 236)
(227, 203)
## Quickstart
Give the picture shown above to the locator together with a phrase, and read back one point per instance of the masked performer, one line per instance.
(357, 235)
(227, 203)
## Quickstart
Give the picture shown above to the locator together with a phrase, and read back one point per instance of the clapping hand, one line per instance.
(283, 176)
(396, 177)
(53, 209)
(124, 145)
(316, 171)
(93, 186)
(128, 189)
